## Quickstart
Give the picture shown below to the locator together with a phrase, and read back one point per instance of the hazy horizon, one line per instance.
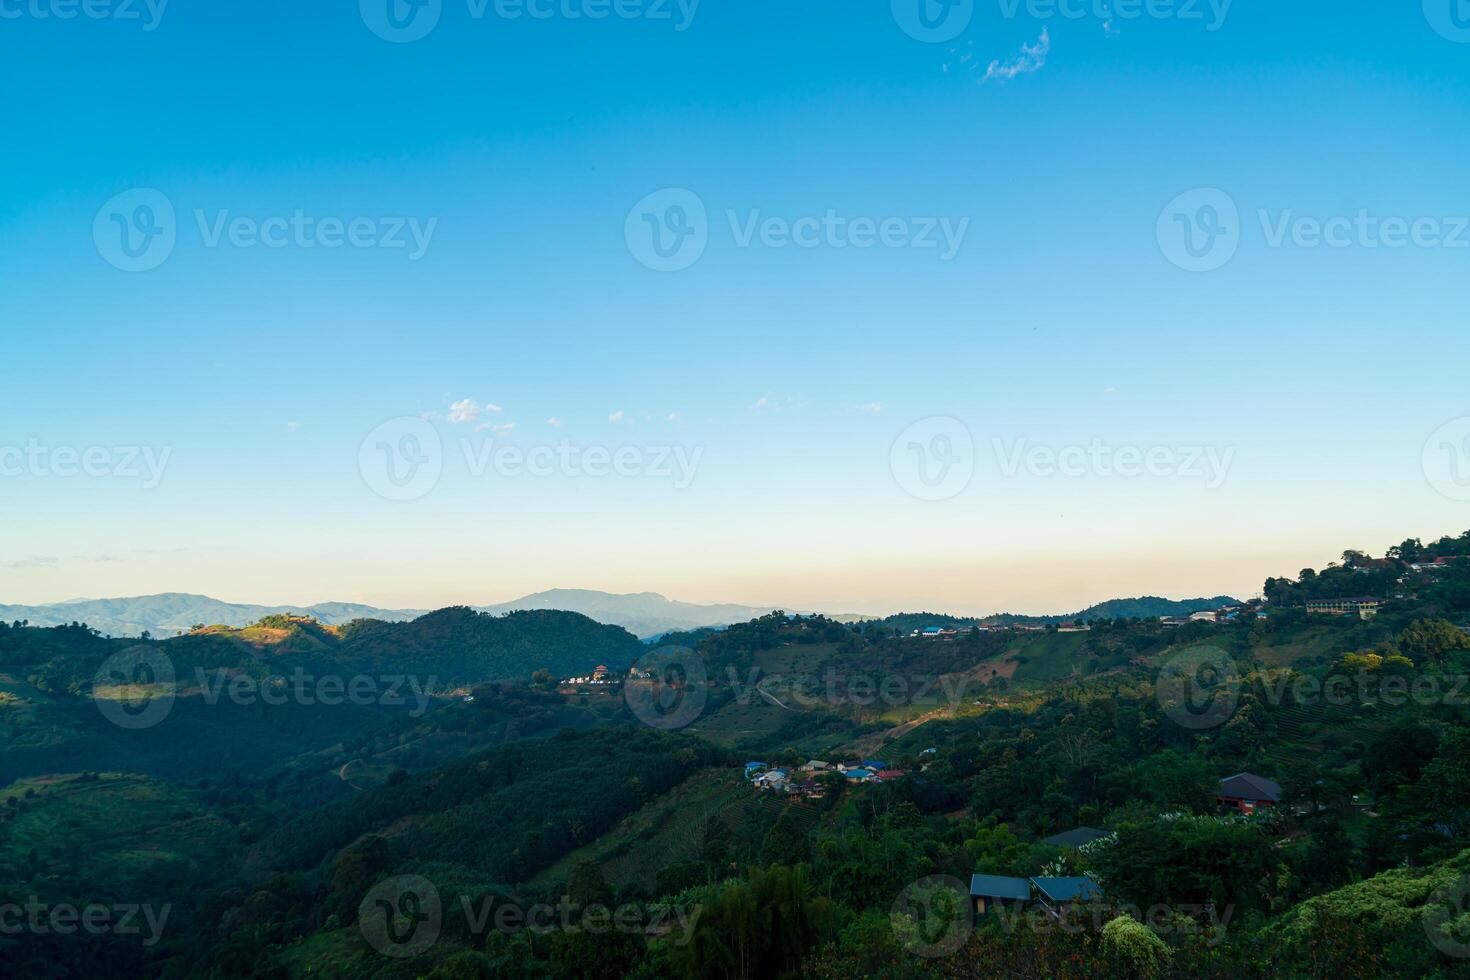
(1071, 588)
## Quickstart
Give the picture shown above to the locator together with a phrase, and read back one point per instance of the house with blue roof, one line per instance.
(990, 892)
(873, 764)
(751, 768)
(1059, 894)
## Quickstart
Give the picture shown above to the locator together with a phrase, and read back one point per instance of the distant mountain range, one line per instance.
(171, 613)
(644, 614)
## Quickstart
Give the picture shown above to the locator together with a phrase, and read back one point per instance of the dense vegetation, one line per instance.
(249, 699)
(652, 856)
(461, 646)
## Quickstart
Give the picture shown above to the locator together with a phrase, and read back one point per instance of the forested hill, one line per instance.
(1143, 607)
(457, 646)
(242, 700)
(462, 646)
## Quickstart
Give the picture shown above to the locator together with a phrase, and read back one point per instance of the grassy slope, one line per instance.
(1046, 657)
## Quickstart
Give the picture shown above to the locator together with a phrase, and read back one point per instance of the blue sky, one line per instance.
(1331, 376)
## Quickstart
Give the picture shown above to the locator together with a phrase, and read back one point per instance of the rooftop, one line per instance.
(1249, 786)
(1067, 889)
(999, 886)
(1076, 837)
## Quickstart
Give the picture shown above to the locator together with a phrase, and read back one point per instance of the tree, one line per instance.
(1174, 780)
(1410, 550)
(1430, 639)
(594, 955)
(1134, 949)
(358, 867)
(1397, 757)
(1190, 860)
(1444, 788)
(466, 965)
(994, 849)
(867, 948)
(587, 886)
(759, 927)
(786, 842)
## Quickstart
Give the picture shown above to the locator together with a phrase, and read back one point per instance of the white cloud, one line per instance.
(465, 410)
(616, 417)
(554, 422)
(873, 408)
(493, 427)
(47, 561)
(292, 426)
(673, 416)
(469, 410)
(778, 403)
(1032, 58)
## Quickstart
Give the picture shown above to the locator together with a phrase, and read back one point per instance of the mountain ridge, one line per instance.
(173, 613)
(644, 614)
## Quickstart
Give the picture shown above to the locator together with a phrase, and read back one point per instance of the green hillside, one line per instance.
(245, 699)
(272, 829)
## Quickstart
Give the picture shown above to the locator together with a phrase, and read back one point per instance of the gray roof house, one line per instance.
(1246, 792)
